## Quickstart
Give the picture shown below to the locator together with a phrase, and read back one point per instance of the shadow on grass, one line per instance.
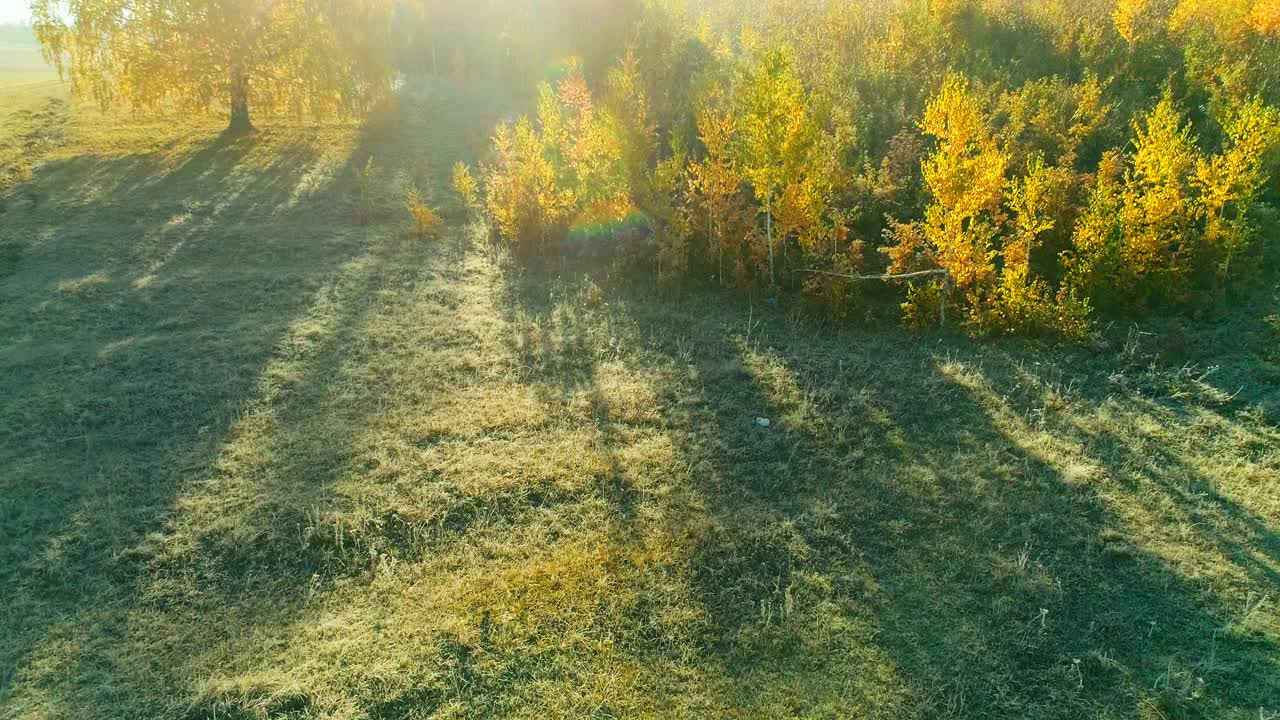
(986, 539)
(920, 532)
(214, 380)
(173, 336)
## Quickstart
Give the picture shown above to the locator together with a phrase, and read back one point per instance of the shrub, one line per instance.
(592, 294)
(523, 195)
(464, 183)
(1004, 185)
(922, 309)
(426, 222)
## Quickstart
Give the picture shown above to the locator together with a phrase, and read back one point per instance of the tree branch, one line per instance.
(886, 276)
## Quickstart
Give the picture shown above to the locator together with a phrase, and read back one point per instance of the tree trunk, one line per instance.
(768, 224)
(711, 237)
(240, 123)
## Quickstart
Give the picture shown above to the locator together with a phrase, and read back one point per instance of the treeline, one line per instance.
(1050, 161)
(515, 43)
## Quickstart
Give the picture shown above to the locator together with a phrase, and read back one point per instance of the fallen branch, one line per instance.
(946, 283)
(901, 276)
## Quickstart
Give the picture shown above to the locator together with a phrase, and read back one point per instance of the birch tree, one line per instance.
(300, 57)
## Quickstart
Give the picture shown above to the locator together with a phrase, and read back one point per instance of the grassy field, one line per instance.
(260, 461)
(32, 105)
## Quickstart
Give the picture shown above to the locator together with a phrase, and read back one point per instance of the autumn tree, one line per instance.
(671, 216)
(1229, 183)
(965, 176)
(715, 180)
(1052, 118)
(1158, 214)
(1093, 263)
(523, 193)
(576, 139)
(464, 183)
(1179, 220)
(629, 124)
(1138, 20)
(985, 147)
(303, 57)
(1265, 17)
(1024, 302)
(775, 132)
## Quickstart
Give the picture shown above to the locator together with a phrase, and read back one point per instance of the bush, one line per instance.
(922, 309)
(426, 222)
(464, 183)
(522, 191)
(1046, 202)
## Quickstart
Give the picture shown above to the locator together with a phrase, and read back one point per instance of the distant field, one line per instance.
(260, 461)
(32, 109)
(20, 58)
(25, 78)
(17, 59)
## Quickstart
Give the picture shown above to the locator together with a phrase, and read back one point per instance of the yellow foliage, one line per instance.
(800, 210)
(580, 154)
(522, 191)
(426, 222)
(1158, 212)
(591, 150)
(1133, 18)
(1029, 197)
(715, 181)
(1023, 303)
(627, 117)
(1228, 20)
(965, 174)
(1052, 117)
(1092, 266)
(673, 225)
(908, 249)
(775, 132)
(1024, 252)
(302, 57)
(1265, 17)
(1228, 183)
(464, 183)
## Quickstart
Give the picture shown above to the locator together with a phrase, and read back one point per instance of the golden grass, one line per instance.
(260, 461)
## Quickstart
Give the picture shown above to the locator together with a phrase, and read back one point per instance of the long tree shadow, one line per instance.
(893, 504)
(235, 413)
(1179, 451)
(174, 339)
(1176, 451)
(114, 394)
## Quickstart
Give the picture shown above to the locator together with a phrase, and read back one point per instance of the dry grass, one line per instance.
(261, 461)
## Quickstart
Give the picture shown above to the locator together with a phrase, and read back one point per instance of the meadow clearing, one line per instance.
(258, 460)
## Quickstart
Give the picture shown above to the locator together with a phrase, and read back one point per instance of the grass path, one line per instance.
(259, 461)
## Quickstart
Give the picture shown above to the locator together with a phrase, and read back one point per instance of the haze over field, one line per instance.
(640, 359)
(13, 12)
